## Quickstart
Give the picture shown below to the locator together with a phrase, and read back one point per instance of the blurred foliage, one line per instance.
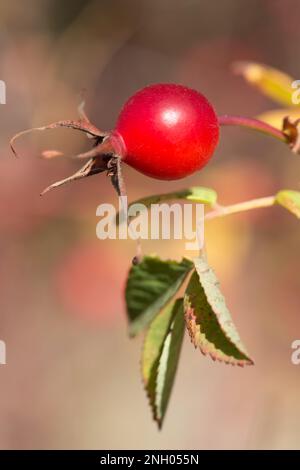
(275, 85)
(61, 387)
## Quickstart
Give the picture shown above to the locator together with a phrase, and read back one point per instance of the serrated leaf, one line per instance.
(271, 82)
(150, 286)
(275, 117)
(160, 357)
(194, 194)
(290, 200)
(208, 320)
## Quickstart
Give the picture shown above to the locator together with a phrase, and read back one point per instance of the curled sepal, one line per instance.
(81, 125)
(94, 166)
(209, 321)
(160, 356)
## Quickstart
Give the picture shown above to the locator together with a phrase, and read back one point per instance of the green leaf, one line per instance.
(290, 200)
(160, 357)
(208, 320)
(195, 194)
(150, 286)
(271, 82)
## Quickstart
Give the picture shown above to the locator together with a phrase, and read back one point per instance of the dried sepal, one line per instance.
(94, 166)
(291, 130)
(81, 125)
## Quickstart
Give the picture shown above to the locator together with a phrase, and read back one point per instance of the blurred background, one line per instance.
(72, 378)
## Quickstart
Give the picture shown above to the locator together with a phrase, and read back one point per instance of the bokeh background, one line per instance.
(72, 378)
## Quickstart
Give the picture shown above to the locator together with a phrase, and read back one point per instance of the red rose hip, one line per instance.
(166, 131)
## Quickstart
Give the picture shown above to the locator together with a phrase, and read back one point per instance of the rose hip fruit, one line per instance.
(166, 131)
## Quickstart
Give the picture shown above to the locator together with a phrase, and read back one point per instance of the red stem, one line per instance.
(251, 123)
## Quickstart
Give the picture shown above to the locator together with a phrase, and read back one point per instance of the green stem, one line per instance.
(221, 211)
(251, 123)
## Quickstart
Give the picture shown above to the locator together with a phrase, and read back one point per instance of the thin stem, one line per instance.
(221, 211)
(251, 123)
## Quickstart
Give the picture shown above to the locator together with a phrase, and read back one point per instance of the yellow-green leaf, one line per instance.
(194, 194)
(275, 117)
(290, 200)
(271, 82)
